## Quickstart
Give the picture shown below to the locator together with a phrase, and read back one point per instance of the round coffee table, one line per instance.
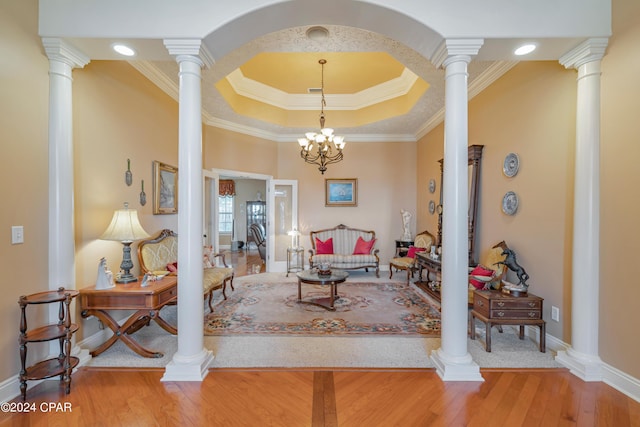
(311, 277)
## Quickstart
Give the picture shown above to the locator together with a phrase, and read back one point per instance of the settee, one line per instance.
(344, 248)
(160, 253)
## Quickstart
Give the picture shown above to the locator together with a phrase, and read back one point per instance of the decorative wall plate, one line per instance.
(432, 207)
(510, 203)
(511, 165)
(432, 185)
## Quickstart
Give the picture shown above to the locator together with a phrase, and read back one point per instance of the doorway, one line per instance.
(280, 198)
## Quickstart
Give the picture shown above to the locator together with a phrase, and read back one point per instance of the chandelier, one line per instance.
(318, 148)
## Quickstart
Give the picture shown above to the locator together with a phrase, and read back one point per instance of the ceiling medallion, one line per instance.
(326, 141)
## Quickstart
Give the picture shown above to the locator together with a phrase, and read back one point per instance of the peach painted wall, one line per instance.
(619, 177)
(529, 111)
(386, 183)
(224, 149)
(118, 115)
(24, 109)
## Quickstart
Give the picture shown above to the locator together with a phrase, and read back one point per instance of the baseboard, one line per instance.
(621, 381)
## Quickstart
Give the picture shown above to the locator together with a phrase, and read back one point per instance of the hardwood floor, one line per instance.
(243, 261)
(312, 397)
(410, 397)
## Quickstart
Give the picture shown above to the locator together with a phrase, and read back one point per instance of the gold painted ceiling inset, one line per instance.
(360, 88)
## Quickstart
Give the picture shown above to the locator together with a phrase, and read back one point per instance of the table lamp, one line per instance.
(125, 228)
(294, 238)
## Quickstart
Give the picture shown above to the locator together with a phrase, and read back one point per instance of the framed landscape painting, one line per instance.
(341, 192)
(165, 189)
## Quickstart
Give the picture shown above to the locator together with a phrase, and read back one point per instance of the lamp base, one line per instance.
(126, 278)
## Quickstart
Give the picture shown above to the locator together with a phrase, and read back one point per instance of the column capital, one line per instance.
(59, 50)
(191, 47)
(455, 47)
(588, 51)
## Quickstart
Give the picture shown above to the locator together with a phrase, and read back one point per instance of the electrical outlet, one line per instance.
(555, 313)
(17, 234)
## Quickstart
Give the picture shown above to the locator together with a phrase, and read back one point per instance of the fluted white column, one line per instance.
(61, 253)
(192, 360)
(452, 360)
(582, 358)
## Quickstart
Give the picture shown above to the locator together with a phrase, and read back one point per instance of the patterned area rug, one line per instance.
(362, 309)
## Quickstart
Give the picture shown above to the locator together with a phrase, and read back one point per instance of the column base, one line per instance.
(583, 366)
(82, 354)
(188, 368)
(451, 368)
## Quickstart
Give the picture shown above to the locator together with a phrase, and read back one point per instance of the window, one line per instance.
(225, 214)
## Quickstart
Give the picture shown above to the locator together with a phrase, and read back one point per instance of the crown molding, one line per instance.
(493, 73)
(157, 77)
(266, 94)
(490, 75)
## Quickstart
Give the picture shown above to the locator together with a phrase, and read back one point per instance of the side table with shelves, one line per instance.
(295, 259)
(62, 331)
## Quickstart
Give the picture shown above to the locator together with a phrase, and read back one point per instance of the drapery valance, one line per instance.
(227, 187)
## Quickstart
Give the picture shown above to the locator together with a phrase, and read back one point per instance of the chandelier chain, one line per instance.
(323, 141)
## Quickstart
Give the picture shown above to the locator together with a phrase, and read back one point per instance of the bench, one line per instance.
(344, 248)
(161, 253)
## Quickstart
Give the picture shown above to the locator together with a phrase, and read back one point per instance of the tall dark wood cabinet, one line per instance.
(256, 214)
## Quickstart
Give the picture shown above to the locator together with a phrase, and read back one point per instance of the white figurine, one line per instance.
(406, 219)
(105, 277)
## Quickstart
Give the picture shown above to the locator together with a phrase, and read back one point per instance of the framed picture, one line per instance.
(341, 192)
(165, 189)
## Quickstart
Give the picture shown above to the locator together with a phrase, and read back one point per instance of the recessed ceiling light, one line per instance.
(124, 50)
(525, 49)
(317, 33)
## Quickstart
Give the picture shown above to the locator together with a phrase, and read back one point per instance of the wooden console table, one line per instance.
(425, 262)
(496, 308)
(147, 301)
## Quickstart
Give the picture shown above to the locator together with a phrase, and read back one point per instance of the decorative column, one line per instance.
(192, 360)
(452, 360)
(61, 253)
(582, 358)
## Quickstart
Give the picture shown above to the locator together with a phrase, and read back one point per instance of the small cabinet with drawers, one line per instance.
(496, 308)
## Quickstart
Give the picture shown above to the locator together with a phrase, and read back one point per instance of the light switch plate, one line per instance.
(17, 234)
(555, 313)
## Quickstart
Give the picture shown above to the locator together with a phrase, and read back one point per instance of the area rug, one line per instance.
(325, 350)
(364, 308)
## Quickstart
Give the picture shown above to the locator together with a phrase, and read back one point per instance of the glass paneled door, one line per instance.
(282, 220)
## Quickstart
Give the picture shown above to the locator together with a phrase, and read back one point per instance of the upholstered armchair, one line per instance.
(258, 232)
(422, 242)
(489, 273)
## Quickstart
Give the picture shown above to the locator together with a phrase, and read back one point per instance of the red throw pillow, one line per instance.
(363, 247)
(324, 248)
(480, 271)
(411, 253)
(173, 267)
